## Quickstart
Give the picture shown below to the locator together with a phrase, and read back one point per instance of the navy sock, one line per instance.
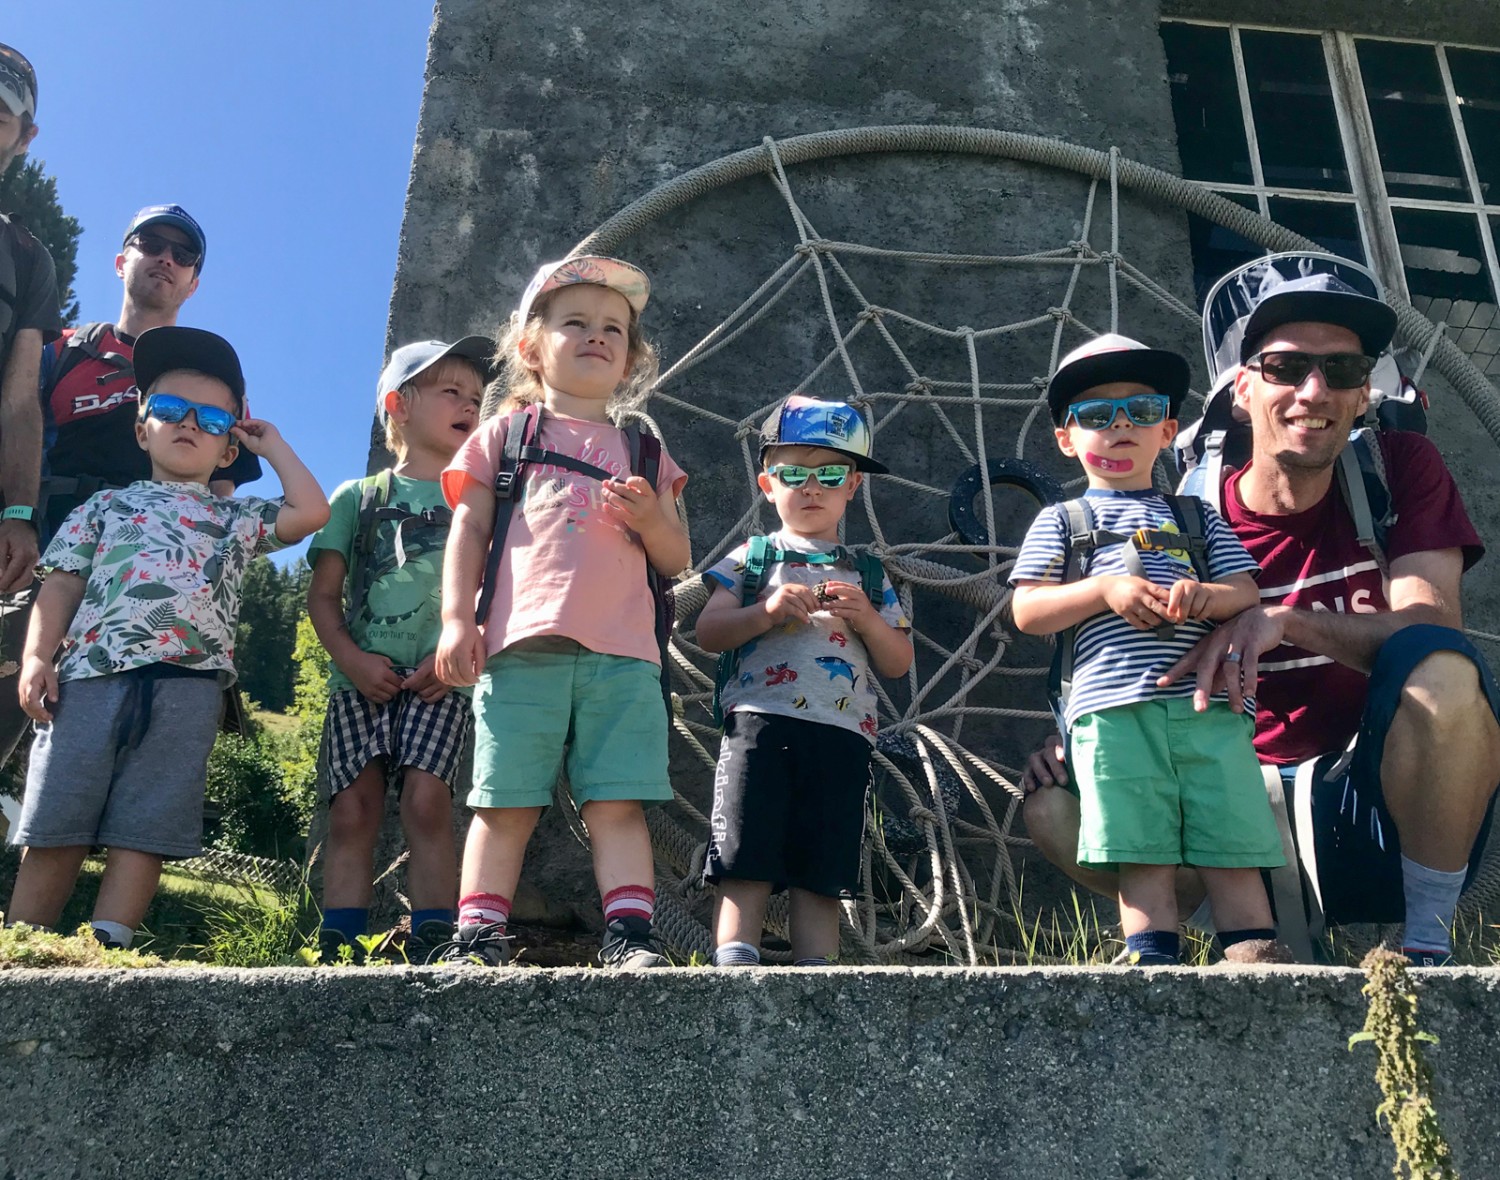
(350, 921)
(420, 916)
(1227, 938)
(1154, 948)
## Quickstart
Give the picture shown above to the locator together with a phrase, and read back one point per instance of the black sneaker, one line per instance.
(330, 943)
(629, 944)
(428, 938)
(478, 946)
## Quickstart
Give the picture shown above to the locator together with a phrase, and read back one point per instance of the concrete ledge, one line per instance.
(693, 1073)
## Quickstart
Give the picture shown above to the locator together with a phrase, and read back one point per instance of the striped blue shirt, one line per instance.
(1113, 662)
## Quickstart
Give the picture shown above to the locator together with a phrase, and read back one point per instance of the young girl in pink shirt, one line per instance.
(566, 655)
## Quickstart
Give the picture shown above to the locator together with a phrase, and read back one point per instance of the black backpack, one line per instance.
(522, 446)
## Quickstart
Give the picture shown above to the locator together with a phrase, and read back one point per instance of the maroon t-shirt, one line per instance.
(1308, 704)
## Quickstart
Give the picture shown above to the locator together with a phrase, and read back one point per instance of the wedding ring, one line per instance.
(1232, 657)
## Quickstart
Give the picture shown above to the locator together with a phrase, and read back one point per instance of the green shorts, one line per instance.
(1159, 784)
(543, 697)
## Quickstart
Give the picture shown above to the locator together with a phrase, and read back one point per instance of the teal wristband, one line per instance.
(20, 512)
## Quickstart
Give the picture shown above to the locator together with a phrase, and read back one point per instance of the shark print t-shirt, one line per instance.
(815, 671)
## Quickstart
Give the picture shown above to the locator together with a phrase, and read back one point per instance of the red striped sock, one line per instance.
(483, 909)
(630, 901)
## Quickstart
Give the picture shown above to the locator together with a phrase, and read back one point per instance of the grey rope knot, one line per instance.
(921, 815)
(870, 314)
(919, 386)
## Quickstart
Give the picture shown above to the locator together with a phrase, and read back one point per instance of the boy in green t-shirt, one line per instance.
(376, 603)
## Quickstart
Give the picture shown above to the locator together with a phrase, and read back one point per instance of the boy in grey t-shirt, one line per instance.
(800, 714)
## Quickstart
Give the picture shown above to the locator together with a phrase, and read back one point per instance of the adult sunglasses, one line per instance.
(1098, 413)
(152, 246)
(832, 475)
(168, 407)
(1341, 370)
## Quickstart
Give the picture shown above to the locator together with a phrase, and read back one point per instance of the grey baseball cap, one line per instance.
(410, 361)
(17, 82)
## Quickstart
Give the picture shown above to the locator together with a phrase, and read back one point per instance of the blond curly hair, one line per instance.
(520, 385)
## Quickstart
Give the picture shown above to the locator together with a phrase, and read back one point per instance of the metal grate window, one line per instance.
(1384, 151)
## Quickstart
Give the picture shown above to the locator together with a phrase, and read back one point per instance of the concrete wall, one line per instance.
(1040, 1074)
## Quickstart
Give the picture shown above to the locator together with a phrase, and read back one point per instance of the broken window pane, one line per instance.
(1333, 225)
(1442, 256)
(1206, 104)
(1216, 250)
(1476, 81)
(1295, 123)
(1413, 122)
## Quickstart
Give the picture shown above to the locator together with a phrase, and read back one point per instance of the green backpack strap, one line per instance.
(759, 556)
(871, 578)
(374, 494)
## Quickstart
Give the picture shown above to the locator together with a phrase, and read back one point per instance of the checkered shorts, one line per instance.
(406, 731)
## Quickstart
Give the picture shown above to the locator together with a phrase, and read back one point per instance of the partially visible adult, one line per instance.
(88, 391)
(1363, 678)
(29, 318)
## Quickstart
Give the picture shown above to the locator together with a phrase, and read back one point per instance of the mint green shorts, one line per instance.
(1159, 784)
(543, 698)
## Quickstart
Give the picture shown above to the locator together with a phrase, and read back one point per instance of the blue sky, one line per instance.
(286, 129)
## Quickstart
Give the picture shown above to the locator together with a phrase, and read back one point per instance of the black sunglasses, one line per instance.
(1341, 370)
(152, 245)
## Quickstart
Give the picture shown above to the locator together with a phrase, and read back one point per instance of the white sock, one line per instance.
(1431, 898)
(112, 932)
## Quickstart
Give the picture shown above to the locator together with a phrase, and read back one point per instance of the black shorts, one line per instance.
(790, 799)
(1356, 851)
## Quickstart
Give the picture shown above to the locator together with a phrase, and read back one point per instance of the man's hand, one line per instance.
(1228, 657)
(1045, 767)
(18, 555)
(1140, 603)
(37, 686)
(425, 683)
(373, 676)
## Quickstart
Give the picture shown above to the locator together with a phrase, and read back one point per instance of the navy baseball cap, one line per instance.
(1321, 299)
(167, 349)
(174, 215)
(17, 82)
(410, 361)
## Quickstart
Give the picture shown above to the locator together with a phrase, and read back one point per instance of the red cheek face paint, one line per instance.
(1103, 464)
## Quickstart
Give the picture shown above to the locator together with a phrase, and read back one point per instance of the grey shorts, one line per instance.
(123, 764)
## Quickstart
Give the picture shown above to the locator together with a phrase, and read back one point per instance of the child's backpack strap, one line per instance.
(1192, 535)
(521, 429)
(759, 557)
(645, 461)
(871, 578)
(1082, 541)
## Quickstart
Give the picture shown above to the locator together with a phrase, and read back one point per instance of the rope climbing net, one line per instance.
(938, 872)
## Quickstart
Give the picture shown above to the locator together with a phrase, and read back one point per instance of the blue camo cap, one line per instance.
(802, 421)
(174, 215)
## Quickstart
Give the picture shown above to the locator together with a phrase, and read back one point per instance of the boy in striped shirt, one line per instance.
(1160, 785)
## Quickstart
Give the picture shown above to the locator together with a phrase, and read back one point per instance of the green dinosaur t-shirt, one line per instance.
(401, 617)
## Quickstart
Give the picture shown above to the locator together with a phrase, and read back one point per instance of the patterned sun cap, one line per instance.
(802, 421)
(630, 281)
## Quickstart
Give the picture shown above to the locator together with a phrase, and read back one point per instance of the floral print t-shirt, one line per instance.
(164, 563)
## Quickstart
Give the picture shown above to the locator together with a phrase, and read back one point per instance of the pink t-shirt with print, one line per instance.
(568, 569)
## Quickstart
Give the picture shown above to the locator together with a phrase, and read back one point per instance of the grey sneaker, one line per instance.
(481, 946)
(629, 944)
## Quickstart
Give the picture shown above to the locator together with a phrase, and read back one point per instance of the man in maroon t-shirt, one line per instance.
(1398, 817)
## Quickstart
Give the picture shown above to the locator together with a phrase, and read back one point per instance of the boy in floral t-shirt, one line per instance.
(145, 590)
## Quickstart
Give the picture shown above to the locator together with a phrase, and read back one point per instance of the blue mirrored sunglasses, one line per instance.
(1098, 413)
(832, 475)
(168, 407)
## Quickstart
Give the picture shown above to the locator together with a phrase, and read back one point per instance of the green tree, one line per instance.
(272, 602)
(310, 701)
(31, 195)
